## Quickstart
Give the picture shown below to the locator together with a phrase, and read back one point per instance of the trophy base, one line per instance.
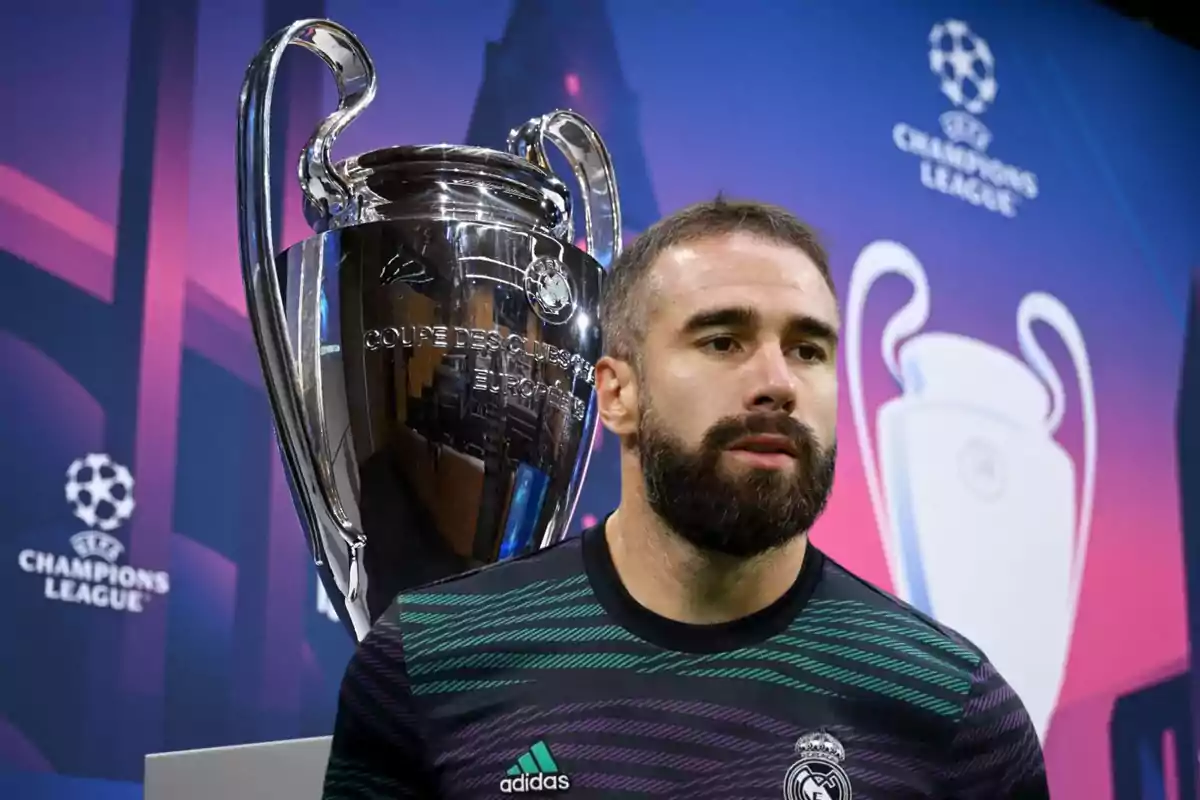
(287, 770)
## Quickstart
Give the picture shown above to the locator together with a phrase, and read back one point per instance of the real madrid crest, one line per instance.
(548, 288)
(818, 774)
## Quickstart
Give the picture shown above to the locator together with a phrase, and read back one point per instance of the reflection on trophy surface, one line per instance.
(428, 352)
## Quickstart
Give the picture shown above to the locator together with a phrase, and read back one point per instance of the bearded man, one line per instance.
(695, 644)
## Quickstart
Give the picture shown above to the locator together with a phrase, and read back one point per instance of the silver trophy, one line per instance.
(429, 352)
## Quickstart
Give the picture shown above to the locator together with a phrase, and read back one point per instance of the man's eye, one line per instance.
(720, 344)
(810, 352)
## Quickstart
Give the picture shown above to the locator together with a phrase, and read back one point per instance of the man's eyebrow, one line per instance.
(743, 317)
(734, 317)
(814, 328)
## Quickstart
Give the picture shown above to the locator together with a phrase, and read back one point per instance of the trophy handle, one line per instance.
(1044, 307)
(328, 193)
(584, 150)
(877, 260)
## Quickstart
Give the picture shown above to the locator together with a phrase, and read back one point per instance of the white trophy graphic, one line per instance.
(974, 498)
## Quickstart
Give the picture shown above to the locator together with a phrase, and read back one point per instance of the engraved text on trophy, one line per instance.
(504, 365)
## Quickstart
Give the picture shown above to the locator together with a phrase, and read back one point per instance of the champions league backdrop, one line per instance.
(1010, 200)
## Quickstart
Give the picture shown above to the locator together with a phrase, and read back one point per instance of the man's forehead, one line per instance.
(739, 270)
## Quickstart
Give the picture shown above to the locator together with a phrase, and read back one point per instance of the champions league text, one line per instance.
(94, 583)
(966, 173)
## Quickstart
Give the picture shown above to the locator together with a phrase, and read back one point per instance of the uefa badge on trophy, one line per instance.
(428, 352)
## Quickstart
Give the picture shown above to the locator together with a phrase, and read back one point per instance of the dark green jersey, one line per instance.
(542, 677)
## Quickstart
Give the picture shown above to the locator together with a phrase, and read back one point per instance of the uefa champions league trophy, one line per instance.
(428, 352)
(974, 499)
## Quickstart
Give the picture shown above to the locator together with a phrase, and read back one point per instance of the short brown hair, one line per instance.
(623, 307)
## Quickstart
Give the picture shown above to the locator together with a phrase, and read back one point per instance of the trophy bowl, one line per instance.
(428, 352)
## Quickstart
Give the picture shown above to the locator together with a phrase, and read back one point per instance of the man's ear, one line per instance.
(617, 395)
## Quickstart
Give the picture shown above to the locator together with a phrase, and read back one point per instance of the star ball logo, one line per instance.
(956, 163)
(100, 493)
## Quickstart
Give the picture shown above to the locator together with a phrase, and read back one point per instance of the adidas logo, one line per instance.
(535, 771)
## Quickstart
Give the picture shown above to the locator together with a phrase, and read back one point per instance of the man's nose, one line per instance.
(772, 385)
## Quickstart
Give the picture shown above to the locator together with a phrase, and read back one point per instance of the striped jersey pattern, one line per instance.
(540, 678)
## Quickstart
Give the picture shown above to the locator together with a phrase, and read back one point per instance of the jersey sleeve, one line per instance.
(377, 752)
(995, 752)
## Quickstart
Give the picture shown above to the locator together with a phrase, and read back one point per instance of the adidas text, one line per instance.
(535, 783)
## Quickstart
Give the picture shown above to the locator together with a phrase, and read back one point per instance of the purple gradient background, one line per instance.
(782, 103)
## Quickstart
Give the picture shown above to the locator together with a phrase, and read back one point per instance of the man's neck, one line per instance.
(669, 576)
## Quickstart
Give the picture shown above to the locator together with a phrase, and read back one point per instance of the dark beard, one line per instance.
(740, 515)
